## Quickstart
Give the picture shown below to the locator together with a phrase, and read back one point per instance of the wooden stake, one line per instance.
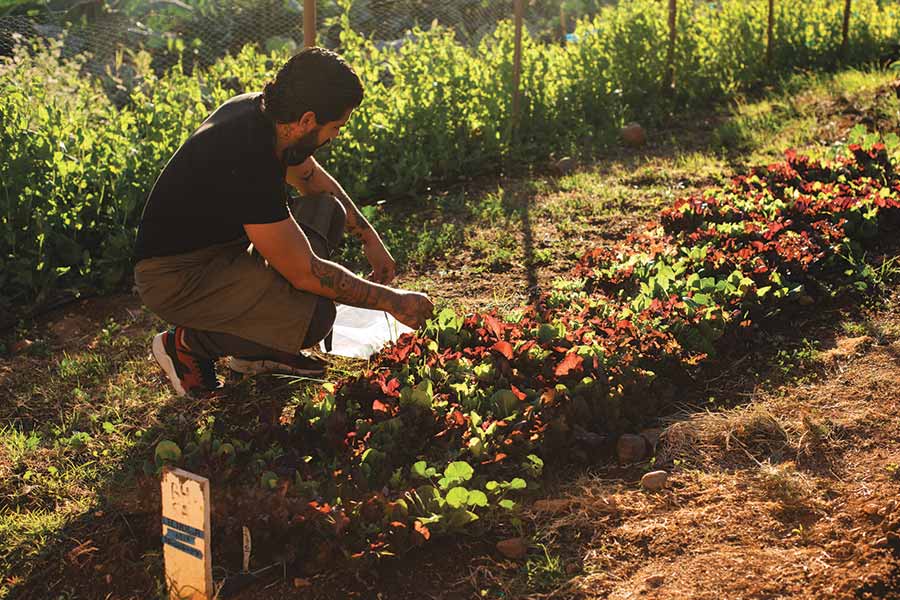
(186, 535)
(669, 83)
(845, 33)
(769, 32)
(309, 23)
(517, 62)
(562, 21)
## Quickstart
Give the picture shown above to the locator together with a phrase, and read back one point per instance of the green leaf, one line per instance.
(268, 480)
(702, 299)
(477, 498)
(418, 469)
(226, 449)
(460, 518)
(517, 484)
(457, 497)
(459, 470)
(507, 504)
(167, 451)
(474, 419)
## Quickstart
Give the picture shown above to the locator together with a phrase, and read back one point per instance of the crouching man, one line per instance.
(222, 256)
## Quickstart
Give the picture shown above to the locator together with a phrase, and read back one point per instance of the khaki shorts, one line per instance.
(228, 289)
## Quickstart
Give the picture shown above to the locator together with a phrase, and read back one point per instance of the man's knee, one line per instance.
(321, 323)
(325, 214)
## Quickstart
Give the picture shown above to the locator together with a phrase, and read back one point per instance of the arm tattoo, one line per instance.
(347, 289)
(357, 226)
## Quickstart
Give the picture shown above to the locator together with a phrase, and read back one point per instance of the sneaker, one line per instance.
(303, 364)
(189, 374)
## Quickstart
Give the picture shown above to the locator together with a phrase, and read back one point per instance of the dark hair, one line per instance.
(316, 80)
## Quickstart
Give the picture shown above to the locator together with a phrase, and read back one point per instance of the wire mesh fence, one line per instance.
(198, 32)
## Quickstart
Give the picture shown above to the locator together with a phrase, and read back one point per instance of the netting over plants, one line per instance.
(203, 31)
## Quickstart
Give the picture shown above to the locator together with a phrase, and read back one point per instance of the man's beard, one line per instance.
(302, 149)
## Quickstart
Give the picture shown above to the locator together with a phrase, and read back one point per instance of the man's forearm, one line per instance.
(333, 281)
(357, 224)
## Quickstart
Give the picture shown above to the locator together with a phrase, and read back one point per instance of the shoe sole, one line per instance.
(263, 367)
(168, 367)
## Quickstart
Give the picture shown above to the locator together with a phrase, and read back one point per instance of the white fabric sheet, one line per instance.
(360, 332)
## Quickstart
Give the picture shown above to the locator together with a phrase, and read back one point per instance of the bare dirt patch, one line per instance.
(793, 496)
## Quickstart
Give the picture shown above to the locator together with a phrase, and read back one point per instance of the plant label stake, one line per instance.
(186, 535)
(248, 548)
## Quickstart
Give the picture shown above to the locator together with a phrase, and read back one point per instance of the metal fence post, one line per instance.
(309, 23)
(517, 63)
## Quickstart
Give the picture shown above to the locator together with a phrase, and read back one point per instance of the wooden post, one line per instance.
(309, 23)
(562, 21)
(769, 33)
(669, 83)
(517, 63)
(846, 30)
(186, 535)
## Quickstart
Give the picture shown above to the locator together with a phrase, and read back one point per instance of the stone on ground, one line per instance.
(513, 548)
(654, 480)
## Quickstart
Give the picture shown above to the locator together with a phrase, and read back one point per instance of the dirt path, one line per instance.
(793, 495)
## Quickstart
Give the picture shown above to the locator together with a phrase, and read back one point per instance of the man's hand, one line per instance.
(384, 269)
(412, 308)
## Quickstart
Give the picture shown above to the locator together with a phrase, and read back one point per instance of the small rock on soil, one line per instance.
(513, 548)
(634, 135)
(654, 480)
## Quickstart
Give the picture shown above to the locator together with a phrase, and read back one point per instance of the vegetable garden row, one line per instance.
(450, 427)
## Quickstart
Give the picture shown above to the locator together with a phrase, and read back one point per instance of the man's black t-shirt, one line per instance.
(224, 176)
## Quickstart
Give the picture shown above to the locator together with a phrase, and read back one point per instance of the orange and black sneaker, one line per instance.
(189, 374)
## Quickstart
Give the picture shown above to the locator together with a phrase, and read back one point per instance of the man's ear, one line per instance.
(308, 122)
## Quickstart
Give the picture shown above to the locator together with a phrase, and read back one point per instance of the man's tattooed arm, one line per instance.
(317, 180)
(345, 287)
(408, 307)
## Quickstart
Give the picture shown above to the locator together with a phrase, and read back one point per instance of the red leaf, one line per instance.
(504, 348)
(391, 388)
(379, 406)
(519, 394)
(572, 362)
(492, 325)
(527, 346)
(458, 419)
(422, 530)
